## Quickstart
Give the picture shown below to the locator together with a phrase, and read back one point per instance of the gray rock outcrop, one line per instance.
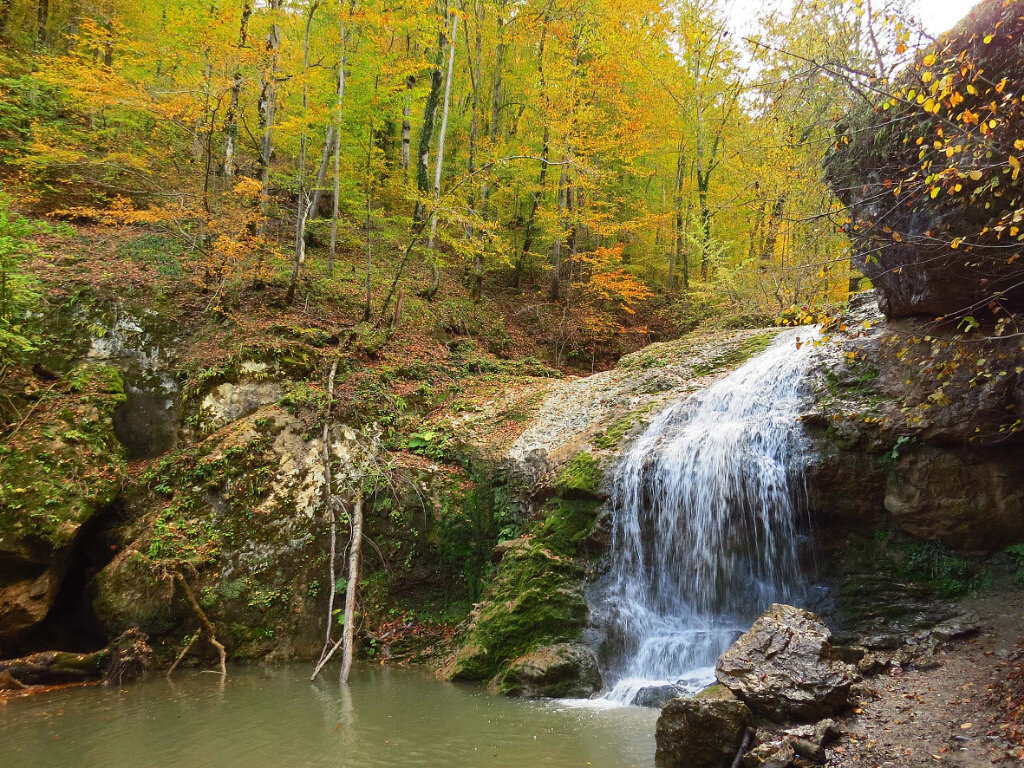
(784, 667)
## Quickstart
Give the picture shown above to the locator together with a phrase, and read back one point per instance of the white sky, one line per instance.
(939, 15)
(936, 15)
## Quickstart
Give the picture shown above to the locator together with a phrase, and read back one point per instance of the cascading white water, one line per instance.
(705, 507)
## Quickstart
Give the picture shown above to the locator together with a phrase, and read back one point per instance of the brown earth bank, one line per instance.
(955, 709)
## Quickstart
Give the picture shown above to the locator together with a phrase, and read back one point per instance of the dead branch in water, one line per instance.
(211, 635)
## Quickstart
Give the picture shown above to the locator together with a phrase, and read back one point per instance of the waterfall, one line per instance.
(705, 508)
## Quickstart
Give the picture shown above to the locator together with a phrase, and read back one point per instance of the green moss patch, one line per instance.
(64, 462)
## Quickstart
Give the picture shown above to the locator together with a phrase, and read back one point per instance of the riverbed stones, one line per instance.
(565, 670)
(785, 668)
(700, 734)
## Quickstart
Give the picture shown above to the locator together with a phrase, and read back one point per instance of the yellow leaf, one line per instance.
(976, 175)
(929, 59)
(927, 77)
(1019, 144)
(935, 192)
(988, 39)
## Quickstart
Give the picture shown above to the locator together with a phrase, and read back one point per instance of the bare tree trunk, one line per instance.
(336, 193)
(42, 20)
(681, 257)
(268, 107)
(475, 72)
(302, 205)
(368, 295)
(435, 272)
(328, 498)
(410, 83)
(771, 236)
(554, 287)
(517, 276)
(231, 119)
(427, 130)
(355, 550)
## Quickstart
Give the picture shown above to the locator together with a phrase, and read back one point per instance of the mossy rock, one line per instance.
(580, 477)
(535, 599)
(132, 591)
(63, 464)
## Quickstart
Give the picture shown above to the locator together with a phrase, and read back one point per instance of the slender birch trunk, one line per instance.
(435, 272)
(355, 551)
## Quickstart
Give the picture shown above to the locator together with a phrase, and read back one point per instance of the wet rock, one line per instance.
(700, 734)
(656, 695)
(566, 670)
(716, 692)
(784, 667)
(808, 750)
(771, 754)
(822, 733)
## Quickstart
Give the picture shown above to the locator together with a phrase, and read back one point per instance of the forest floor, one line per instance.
(966, 712)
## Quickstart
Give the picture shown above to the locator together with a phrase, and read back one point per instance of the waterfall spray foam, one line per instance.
(706, 506)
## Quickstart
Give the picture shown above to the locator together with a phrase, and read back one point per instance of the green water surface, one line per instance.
(273, 717)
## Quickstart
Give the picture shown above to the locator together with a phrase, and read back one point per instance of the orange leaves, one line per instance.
(609, 279)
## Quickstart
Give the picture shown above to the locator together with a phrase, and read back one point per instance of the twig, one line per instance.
(184, 652)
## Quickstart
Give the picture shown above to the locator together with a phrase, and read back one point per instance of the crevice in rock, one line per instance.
(71, 624)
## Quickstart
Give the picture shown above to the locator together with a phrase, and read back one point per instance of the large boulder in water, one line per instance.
(784, 667)
(930, 175)
(700, 734)
(565, 670)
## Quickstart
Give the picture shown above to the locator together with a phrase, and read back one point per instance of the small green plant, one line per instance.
(1016, 554)
(887, 460)
(935, 566)
(436, 444)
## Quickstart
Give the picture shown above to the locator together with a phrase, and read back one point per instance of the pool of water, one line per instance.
(275, 718)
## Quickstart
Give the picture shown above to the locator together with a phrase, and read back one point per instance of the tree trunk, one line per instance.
(302, 204)
(475, 72)
(328, 498)
(427, 130)
(517, 277)
(231, 119)
(678, 245)
(410, 83)
(435, 272)
(355, 551)
(42, 20)
(5, 15)
(771, 236)
(268, 107)
(554, 287)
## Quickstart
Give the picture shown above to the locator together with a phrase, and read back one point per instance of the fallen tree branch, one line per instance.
(211, 635)
(126, 658)
(184, 652)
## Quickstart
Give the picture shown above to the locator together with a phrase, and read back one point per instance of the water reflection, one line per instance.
(274, 717)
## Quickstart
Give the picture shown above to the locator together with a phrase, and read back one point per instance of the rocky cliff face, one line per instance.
(928, 173)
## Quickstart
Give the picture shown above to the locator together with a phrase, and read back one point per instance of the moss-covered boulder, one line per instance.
(240, 515)
(566, 670)
(536, 598)
(60, 467)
